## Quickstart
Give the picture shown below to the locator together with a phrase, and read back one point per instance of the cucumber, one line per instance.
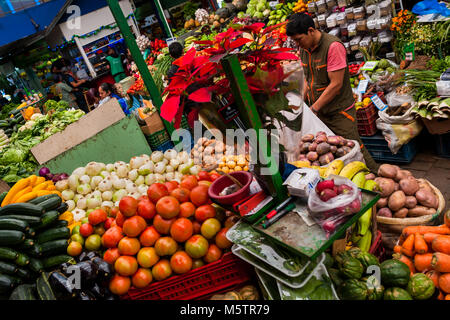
(26, 244)
(17, 280)
(43, 287)
(24, 292)
(11, 237)
(4, 125)
(56, 260)
(49, 217)
(32, 221)
(53, 234)
(14, 224)
(22, 260)
(62, 208)
(8, 254)
(52, 248)
(2, 196)
(6, 283)
(25, 208)
(50, 204)
(43, 198)
(8, 268)
(36, 265)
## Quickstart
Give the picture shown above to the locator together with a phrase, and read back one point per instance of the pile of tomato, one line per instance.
(354, 68)
(137, 86)
(173, 229)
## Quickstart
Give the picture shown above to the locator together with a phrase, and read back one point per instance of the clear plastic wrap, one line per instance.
(343, 199)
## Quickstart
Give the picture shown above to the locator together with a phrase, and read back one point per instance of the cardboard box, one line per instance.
(153, 123)
(437, 126)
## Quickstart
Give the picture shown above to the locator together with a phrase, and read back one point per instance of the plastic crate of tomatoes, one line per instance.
(354, 67)
(225, 273)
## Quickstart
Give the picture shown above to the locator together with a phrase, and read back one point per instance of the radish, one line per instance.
(326, 184)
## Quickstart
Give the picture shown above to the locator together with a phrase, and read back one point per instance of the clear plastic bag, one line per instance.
(338, 209)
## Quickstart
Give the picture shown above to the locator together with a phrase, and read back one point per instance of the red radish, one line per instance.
(327, 194)
(326, 184)
(343, 188)
(355, 206)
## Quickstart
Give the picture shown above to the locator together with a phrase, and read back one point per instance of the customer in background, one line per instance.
(77, 86)
(175, 51)
(115, 65)
(106, 92)
(65, 92)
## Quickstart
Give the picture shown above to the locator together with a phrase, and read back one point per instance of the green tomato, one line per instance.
(76, 229)
(77, 238)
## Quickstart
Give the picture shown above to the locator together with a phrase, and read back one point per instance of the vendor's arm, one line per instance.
(336, 64)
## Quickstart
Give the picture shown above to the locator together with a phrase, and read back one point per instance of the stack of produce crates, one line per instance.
(366, 118)
(161, 140)
(379, 150)
(442, 145)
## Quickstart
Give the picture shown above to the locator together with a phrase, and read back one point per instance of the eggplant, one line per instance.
(85, 256)
(62, 286)
(98, 292)
(85, 296)
(88, 273)
(105, 270)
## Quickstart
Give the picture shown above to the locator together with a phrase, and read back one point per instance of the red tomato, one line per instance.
(108, 223)
(120, 219)
(156, 191)
(86, 230)
(128, 206)
(146, 209)
(171, 185)
(214, 176)
(97, 216)
(203, 175)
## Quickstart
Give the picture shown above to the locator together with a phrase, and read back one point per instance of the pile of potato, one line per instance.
(321, 149)
(402, 195)
(208, 152)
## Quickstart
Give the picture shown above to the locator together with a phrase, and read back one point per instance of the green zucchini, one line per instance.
(14, 224)
(36, 265)
(23, 208)
(8, 254)
(26, 244)
(22, 260)
(54, 224)
(17, 280)
(50, 204)
(3, 195)
(11, 237)
(6, 283)
(8, 132)
(55, 247)
(49, 217)
(43, 287)
(56, 260)
(23, 273)
(23, 292)
(7, 268)
(30, 232)
(53, 234)
(42, 198)
(62, 208)
(34, 251)
(4, 125)
(32, 221)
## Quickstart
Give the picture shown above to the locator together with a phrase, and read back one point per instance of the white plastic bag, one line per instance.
(394, 99)
(407, 117)
(311, 124)
(399, 134)
(335, 211)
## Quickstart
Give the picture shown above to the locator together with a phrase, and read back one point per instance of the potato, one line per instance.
(340, 152)
(370, 176)
(409, 185)
(350, 144)
(315, 163)
(384, 212)
(343, 142)
(321, 133)
(382, 202)
(402, 213)
(312, 156)
(425, 185)
(386, 186)
(397, 200)
(308, 138)
(323, 148)
(320, 139)
(402, 174)
(305, 147)
(326, 158)
(411, 202)
(419, 211)
(334, 140)
(312, 146)
(396, 186)
(333, 149)
(427, 198)
(387, 171)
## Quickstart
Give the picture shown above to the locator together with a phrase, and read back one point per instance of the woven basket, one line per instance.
(391, 228)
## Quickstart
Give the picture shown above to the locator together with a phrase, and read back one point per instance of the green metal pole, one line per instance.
(250, 117)
(162, 16)
(138, 59)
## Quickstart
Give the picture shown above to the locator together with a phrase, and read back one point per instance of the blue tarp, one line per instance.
(17, 26)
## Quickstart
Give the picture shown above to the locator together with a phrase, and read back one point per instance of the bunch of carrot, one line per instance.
(426, 249)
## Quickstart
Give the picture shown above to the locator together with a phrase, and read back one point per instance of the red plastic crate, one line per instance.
(225, 273)
(368, 128)
(367, 113)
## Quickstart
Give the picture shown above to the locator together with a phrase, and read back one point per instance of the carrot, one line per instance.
(440, 262)
(440, 296)
(409, 253)
(447, 297)
(405, 260)
(441, 229)
(429, 237)
(444, 282)
(420, 246)
(408, 244)
(398, 249)
(434, 276)
(447, 218)
(422, 262)
(441, 244)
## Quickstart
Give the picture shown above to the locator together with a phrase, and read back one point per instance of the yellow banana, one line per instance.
(371, 185)
(359, 179)
(351, 169)
(365, 242)
(364, 222)
(334, 168)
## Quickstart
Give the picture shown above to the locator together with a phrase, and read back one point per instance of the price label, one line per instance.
(359, 55)
(390, 55)
(371, 24)
(378, 102)
(409, 56)
(369, 65)
(362, 86)
(170, 40)
(320, 2)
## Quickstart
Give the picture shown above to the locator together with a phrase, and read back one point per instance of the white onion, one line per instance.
(160, 167)
(104, 174)
(169, 168)
(81, 203)
(70, 205)
(165, 161)
(156, 156)
(194, 170)
(122, 171)
(84, 188)
(131, 187)
(107, 195)
(93, 168)
(109, 167)
(136, 162)
(105, 184)
(170, 176)
(140, 180)
(146, 169)
(170, 154)
(135, 195)
(79, 171)
(62, 185)
(118, 164)
(92, 203)
(109, 204)
(67, 194)
(119, 183)
(150, 179)
(174, 163)
(97, 194)
(133, 174)
(95, 181)
(160, 178)
(85, 179)
(77, 197)
(73, 182)
(78, 214)
(142, 189)
(119, 194)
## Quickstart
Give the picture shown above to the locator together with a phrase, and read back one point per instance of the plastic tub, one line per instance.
(331, 21)
(342, 3)
(312, 7)
(331, 4)
(244, 177)
(352, 29)
(361, 25)
(322, 19)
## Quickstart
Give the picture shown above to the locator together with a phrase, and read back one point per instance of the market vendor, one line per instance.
(107, 92)
(65, 92)
(115, 65)
(327, 80)
(175, 51)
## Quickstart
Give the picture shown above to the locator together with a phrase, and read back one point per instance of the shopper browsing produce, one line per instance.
(115, 65)
(176, 51)
(327, 80)
(65, 92)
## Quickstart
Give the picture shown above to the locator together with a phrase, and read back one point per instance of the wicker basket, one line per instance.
(391, 228)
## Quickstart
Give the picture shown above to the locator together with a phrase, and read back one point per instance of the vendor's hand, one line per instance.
(313, 109)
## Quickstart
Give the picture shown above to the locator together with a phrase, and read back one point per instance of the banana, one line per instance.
(371, 185)
(364, 222)
(355, 237)
(365, 242)
(351, 169)
(334, 168)
(359, 179)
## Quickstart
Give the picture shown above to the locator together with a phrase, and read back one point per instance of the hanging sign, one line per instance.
(378, 102)
(362, 86)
